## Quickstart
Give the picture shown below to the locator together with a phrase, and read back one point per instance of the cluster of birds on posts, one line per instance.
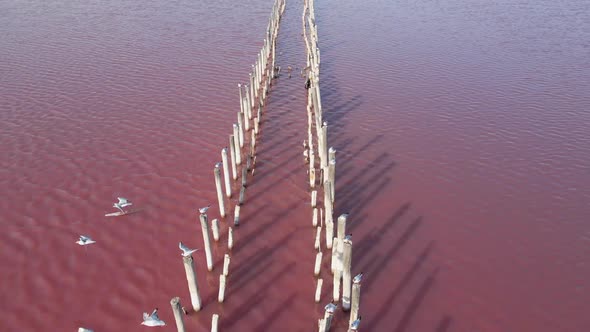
(252, 97)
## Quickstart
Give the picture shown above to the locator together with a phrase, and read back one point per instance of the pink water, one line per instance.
(463, 153)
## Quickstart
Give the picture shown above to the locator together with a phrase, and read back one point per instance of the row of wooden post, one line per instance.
(322, 218)
(252, 99)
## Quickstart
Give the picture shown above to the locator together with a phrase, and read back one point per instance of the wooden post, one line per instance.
(318, 264)
(244, 176)
(311, 158)
(346, 277)
(337, 270)
(253, 144)
(259, 113)
(254, 85)
(217, 172)
(214, 322)
(329, 314)
(206, 240)
(318, 290)
(334, 264)
(356, 297)
(318, 233)
(242, 108)
(247, 100)
(226, 171)
(324, 145)
(341, 232)
(332, 177)
(314, 220)
(314, 199)
(215, 229)
(257, 125)
(221, 294)
(230, 238)
(237, 215)
(246, 122)
(329, 231)
(175, 303)
(226, 260)
(234, 161)
(241, 129)
(237, 144)
(248, 104)
(191, 278)
(329, 215)
(248, 162)
(242, 194)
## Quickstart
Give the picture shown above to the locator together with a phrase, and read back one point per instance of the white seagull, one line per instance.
(186, 251)
(84, 240)
(330, 308)
(203, 210)
(153, 319)
(355, 325)
(357, 279)
(348, 238)
(123, 202)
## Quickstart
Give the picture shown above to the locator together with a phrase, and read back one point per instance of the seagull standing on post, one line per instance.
(355, 325)
(186, 251)
(203, 210)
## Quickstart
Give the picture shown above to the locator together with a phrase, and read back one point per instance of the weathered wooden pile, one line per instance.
(324, 172)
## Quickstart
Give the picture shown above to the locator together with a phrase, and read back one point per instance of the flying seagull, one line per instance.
(84, 240)
(123, 202)
(153, 319)
(355, 325)
(203, 210)
(186, 251)
(357, 279)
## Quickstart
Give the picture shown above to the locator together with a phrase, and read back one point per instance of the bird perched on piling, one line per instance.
(186, 251)
(357, 279)
(331, 307)
(348, 238)
(153, 319)
(355, 325)
(203, 210)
